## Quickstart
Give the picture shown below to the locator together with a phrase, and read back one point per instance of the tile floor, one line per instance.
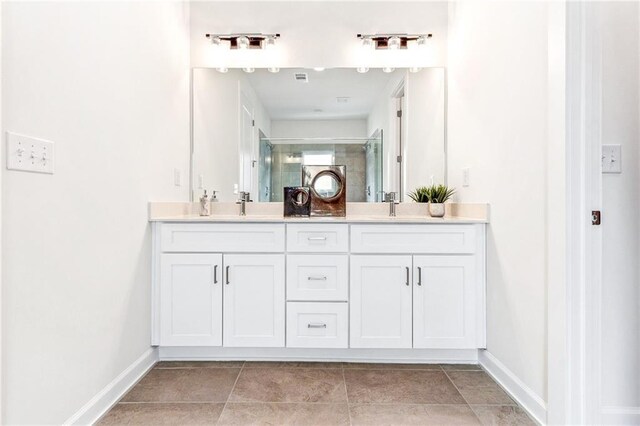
(282, 393)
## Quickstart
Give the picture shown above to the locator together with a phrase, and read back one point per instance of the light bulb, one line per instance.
(388, 69)
(216, 41)
(274, 69)
(243, 42)
(222, 69)
(394, 42)
(248, 70)
(269, 42)
(422, 40)
(319, 69)
(367, 42)
(414, 69)
(362, 70)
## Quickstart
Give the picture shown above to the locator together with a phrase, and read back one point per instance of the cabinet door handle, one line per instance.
(317, 278)
(215, 274)
(317, 238)
(227, 274)
(419, 275)
(407, 268)
(320, 325)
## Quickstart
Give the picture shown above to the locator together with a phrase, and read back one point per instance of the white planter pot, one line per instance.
(436, 209)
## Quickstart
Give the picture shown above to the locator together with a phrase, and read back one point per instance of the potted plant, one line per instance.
(435, 195)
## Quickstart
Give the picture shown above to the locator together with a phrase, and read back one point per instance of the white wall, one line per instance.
(109, 84)
(318, 129)
(318, 33)
(620, 206)
(497, 126)
(423, 133)
(216, 130)
(424, 147)
(382, 116)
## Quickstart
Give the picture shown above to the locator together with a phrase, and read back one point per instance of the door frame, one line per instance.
(567, 305)
(574, 317)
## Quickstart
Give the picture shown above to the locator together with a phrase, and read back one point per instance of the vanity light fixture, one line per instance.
(388, 69)
(319, 69)
(393, 41)
(273, 69)
(222, 69)
(362, 70)
(248, 70)
(244, 40)
(414, 69)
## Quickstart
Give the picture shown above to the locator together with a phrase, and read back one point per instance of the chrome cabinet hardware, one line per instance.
(215, 274)
(407, 268)
(317, 278)
(317, 238)
(320, 325)
(419, 275)
(227, 274)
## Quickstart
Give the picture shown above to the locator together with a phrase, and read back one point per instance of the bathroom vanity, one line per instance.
(363, 287)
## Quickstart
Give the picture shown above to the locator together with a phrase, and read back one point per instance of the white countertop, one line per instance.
(360, 213)
(346, 219)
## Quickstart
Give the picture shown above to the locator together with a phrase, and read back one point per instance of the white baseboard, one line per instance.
(520, 392)
(441, 356)
(111, 394)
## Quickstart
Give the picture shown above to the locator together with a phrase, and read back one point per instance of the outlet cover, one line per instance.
(28, 154)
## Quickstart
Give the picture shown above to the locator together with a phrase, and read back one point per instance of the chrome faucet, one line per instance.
(390, 197)
(244, 198)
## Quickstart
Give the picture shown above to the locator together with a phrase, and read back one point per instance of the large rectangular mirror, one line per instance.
(253, 131)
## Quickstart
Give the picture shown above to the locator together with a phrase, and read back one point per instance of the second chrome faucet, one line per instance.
(243, 199)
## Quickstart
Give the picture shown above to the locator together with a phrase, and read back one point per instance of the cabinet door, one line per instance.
(444, 302)
(254, 300)
(380, 301)
(191, 300)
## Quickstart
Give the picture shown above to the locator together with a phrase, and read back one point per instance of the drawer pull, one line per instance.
(317, 278)
(227, 274)
(419, 275)
(407, 275)
(317, 325)
(215, 274)
(317, 238)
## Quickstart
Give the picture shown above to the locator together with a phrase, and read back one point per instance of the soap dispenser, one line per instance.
(205, 205)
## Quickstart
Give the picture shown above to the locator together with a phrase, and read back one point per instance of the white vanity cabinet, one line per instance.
(318, 289)
(380, 301)
(254, 311)
(191, 299)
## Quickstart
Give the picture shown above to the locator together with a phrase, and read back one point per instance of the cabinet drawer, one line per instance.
(418, 239)
(320, 238)
(317, 325)
(318, 277)
(223, 237)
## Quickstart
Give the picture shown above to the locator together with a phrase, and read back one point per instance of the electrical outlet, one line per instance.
(28, 154)
(177, 177)
(465, 177)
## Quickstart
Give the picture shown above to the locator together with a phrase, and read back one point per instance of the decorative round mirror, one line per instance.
(327, 185)
(300, 197)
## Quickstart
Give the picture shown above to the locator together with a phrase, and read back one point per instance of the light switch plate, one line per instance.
(611, 159)
(28, 154)
(465, 177)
